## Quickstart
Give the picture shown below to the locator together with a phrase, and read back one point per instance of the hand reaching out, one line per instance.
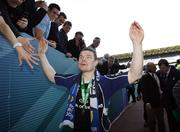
(29, 58)
(136, 33)
(26, 52)
(26, 44)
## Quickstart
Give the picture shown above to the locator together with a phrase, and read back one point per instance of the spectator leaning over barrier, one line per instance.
(76, 44)
(96, 43)
(63, 38)
(28, 10)
(61, 19)
(7, 8)
(22, 54)
(87, 108)
(41, 31)
(54, 31)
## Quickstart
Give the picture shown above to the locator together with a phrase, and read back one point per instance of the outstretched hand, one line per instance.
(136, 33)
(26, 52)
(26, 44)
(25, 56)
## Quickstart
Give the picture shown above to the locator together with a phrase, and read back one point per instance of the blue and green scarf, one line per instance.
(94, 113)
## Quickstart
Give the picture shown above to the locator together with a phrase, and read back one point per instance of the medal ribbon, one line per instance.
(85, 92)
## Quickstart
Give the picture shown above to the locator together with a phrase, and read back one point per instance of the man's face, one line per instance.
(53, 14)
(79, 37)
(153, 68)
(96, 42)
(60, 20)
(87, 62)
(163, 68)
(66, 28)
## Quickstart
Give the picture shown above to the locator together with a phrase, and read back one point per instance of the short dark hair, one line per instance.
(67, 23)
(53, 5)
(79, 32)
(91, 50)
(163, 62)
(97, 38)
(63, 14)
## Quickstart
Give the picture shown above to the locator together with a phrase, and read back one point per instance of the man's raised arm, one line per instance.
(136, 34)
(47, 68)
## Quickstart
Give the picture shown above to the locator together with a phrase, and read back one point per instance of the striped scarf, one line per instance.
(94, 113)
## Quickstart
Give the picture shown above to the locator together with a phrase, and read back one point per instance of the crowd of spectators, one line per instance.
(42, 22)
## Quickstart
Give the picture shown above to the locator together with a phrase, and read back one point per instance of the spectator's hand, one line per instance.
(29, 58)
(42, 47)
(26, 44)
(22, 23)
(52, 43)
(136, 33)
(68, 54)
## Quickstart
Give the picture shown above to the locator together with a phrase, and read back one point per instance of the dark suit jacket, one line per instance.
(75, 50)
(40, 13)
(63, 39)
(54, 33)
(27, 9)
(150, 90)
(167, 85)
(8, 13)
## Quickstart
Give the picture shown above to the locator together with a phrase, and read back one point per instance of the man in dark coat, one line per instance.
(152, 98)
(168, 76)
